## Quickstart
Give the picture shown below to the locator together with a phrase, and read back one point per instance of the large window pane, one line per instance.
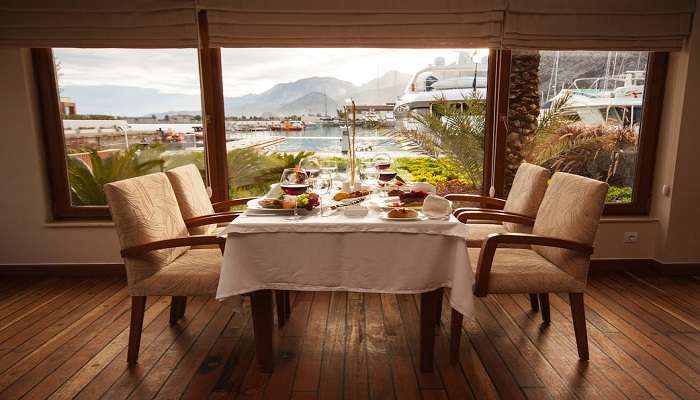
(285, 104)
(127, 113)
(578, 112)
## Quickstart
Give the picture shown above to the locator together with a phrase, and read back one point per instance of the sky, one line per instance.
(244, 70)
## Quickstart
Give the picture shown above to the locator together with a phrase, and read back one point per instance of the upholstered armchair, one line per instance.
(155, 245)
(200, 214)
(514, 215)
(202, 217)
(557, 260)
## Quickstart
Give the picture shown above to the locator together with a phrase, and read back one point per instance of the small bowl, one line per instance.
(355, 211)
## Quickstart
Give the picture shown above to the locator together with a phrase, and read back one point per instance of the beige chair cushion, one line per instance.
(144, 209)
(526, 194)
(571, 210)
(525, 271)
(194, 273)
(192, 195)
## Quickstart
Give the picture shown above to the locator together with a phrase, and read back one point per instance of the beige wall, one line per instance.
(26, 237)
(30, 237)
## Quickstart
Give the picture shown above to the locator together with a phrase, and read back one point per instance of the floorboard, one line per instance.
(63, 338)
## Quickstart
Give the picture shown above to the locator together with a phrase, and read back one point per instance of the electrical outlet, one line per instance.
(631, 237)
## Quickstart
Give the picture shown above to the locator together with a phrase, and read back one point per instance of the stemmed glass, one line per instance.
(382, 161)
(294, 183)
(330, 168)
(322, 186)
(368, 173)
(311, 166)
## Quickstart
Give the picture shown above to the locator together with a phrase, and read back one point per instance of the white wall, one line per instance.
(29, 237)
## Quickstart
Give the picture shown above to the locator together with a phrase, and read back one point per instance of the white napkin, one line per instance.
(275, 191)
(424, 187)
(435, 206)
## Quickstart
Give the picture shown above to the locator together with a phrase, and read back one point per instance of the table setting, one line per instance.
(378, 236)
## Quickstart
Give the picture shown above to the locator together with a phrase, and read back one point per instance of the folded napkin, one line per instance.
(424, 187)
(275, 191)
(435, 206)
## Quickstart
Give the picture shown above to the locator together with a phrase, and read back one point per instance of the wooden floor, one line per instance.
(65, 338)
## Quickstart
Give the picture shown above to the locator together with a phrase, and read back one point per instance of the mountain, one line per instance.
(129, 101)
(304, 96)
(312, 103)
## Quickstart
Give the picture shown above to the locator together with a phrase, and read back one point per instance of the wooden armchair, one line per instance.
(558, 257)
(200, 214)
(524, 200)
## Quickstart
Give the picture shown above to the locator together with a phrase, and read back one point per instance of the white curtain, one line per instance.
(598, 24)
(364, 23)
(98, 23)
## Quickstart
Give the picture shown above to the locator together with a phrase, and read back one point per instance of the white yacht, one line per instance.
(595, 101)
(453, 83)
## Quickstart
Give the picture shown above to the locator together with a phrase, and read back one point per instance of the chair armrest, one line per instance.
(227, 204)
(488, 251)
(195, 240)
(475, 198)
(494, 215)
(210, 219)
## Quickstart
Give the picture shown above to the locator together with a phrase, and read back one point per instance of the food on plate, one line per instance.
(341, 196)
(413, 198)
(395, 192)
(308, 200)
(271, 203)
(402, 213)
(352, 195)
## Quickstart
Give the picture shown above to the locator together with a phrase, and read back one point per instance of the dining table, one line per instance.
(322, 251)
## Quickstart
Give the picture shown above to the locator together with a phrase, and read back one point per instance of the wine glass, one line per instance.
(330, 168)
(322, 186)
(382, 161)
(311, 165)
(368, 173)
(293, 183)
(385, 176)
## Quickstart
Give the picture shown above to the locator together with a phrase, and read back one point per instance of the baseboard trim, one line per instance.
(67, 270)
(642, 264)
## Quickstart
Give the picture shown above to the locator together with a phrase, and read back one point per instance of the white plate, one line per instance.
(386, 204)
(255, 208)
(385, 216)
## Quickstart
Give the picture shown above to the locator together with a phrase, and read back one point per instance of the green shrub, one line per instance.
(617, 194)
(433, 171)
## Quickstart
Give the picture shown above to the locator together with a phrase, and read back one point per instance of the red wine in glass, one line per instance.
(382, 165)
(386, 176)
(294, 189)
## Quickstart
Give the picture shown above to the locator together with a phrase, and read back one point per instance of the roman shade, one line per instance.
(357, 23)
(655, 25)
(98, 23)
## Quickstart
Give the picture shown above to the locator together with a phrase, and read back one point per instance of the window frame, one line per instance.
(211, 83)
(652, 108)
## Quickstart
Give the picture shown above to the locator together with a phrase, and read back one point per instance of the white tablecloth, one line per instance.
(353, 254)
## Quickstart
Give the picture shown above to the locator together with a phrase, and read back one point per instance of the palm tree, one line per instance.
(453, 131)
(86, 181)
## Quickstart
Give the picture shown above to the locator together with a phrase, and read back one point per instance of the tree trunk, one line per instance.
(523, 108)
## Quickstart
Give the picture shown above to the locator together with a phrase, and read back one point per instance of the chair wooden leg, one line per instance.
(578, 314)
(281, 307)
(455, 335)
(177, 308)
(439, 307)
(138, 306)
(534, 305)
(544, 306)
(261, 305)
(287, 305)
(428, 306)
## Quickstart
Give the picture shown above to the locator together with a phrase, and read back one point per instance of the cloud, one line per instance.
(244, 70)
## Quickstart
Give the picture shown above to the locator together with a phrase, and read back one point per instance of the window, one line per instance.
(110, 114)
(121, 113)
(283, 105)
(591, 113)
